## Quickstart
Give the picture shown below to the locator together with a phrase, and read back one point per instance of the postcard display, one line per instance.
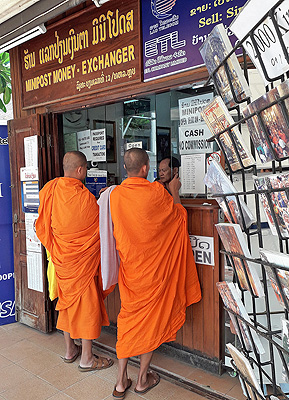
(255, 235)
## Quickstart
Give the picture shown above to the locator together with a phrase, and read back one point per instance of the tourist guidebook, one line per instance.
(214, 50)
(265, 34)
(260, 184)
(218, 118)
(257, 135)
(218, 182)
(282, 260)
(232, 301)
(234, 242)
(285, 343)
(246, 370)
(279, 201)
(275, 123)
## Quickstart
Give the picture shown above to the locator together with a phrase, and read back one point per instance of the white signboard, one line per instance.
(84, 143)
(203, 249)
(31, 151)
(265, 35)
(193, 131)
(98, 145)
(133, 144)
(192, 173)
(32, 241)
(34, 271)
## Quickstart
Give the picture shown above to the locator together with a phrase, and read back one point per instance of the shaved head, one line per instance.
(134, 160)
(72, 160)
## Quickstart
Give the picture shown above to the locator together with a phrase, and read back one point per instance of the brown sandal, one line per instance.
(71, 360)
(120, 395)
(98, 363)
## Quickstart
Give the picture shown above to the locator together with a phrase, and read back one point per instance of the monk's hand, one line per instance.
(102, 190)
(175, 184)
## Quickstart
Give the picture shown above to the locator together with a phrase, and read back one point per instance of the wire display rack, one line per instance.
(262, 313)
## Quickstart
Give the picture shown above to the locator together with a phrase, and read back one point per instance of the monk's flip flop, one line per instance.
(71, 360)
(98, 363)
(120, 395)
(150, 386)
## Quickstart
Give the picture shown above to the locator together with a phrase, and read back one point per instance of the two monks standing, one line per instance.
(68, 226)
(157, 276)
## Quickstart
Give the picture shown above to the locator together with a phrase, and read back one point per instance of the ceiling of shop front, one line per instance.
(13, 7)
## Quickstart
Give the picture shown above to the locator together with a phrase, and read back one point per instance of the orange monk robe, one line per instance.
(68, 227)
(157, 276)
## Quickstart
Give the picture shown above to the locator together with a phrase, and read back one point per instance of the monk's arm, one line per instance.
(174, 187)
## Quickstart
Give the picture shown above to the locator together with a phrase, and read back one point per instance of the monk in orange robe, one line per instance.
(68, 226)
(157, 275)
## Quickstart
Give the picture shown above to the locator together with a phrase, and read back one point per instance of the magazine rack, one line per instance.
(261, 321)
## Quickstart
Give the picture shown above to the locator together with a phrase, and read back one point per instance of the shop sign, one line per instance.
(203, 249)
(97, 50)
(173, 31)
(193, 131)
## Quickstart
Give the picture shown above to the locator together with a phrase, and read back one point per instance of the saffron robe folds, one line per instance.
(68, 227)
(157, 277)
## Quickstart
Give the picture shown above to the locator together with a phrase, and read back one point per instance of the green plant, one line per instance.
(5, 81)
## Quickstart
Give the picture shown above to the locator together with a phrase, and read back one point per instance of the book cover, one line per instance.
(218, 182)
(275, 120)
(233, 241)
(232, 301)
(257, 135)
(285, 343)
(260, 184)
(280, 200)
(218, 118)
(214, 50)
(246, 370)
(282, 260)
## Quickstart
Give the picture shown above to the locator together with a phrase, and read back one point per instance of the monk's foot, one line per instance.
(72, 355)
(152, 380)
(97, 363)
(123, 385)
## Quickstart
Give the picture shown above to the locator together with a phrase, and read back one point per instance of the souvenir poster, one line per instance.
(193, 131)
(265, 34)
(218, 118)
(245, 368)
(218, 182)
(215, 49)
(261, 184)
(233, 302)
(282, 260)
(234, 242)
(285, 343)
(275, 122)
(280, 201)
(257, 135)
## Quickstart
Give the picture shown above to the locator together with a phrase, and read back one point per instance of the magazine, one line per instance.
(257, 136)
(246, 370)
(281, 260)
(266, 37)
(214, 50)
(218, 182)
(260, 184)
(233, 241)
(232, 301)
(275, 122)
(285, 343)
(218, 118)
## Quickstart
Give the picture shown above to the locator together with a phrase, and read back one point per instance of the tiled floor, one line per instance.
(31, 369)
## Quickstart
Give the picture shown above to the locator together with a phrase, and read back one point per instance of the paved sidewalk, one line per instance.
(31, 368)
